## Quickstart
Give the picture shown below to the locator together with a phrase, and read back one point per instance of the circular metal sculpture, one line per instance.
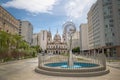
(69, 30)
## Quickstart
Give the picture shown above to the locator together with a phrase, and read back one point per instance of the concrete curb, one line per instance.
(73, 74)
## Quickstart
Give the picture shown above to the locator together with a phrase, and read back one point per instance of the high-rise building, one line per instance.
(8, 23)
(26, 30)
(104, 27)
(42, 39)
(84, 38)
(34, 40)
(76, 40)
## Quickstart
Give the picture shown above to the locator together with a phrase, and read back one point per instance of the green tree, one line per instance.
(17, 40)
(13, 47)
(4, 37)
(76, 50)
(4, 46)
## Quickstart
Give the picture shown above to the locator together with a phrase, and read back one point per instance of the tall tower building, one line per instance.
(26, 30)
(43, 39)
(84, 37)
(76, 39)
(35, 40)
(104, 27)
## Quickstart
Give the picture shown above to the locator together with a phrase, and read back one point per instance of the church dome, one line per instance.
(57, 37)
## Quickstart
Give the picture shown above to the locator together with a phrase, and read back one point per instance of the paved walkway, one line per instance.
(110, 64)
(24, 70)
(114, 64)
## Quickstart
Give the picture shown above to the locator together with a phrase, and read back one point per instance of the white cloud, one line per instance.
(78, 8)
(33, 6)
(73, 9)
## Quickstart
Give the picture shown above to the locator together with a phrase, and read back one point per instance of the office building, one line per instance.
(76, 39)
(104, 27)
(26, 31)
(35, 40)
(84, 38)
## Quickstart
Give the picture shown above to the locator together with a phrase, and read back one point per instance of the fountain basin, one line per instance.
(72, 72)
(76, 65)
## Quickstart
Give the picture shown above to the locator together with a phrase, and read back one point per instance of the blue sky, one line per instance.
(45, 14)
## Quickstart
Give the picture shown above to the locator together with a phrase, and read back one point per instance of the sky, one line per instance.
(49, 14)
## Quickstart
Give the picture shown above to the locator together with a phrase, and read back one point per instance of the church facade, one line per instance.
(57, 45)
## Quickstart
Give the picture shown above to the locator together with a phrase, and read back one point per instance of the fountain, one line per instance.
(71, 66)
(69, 29)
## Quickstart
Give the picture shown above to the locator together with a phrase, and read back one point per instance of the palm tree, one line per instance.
(17, 40)
(3, 40)
(4, 46)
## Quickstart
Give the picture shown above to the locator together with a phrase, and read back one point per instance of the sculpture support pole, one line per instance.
(70, 57)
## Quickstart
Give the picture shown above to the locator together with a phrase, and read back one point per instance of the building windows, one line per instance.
(29, 24)
(109, 44)
(106, 26)
(113, 34)
(111, 20)
(7, 31)
(119, 10)
(8, 21)
(111, 25)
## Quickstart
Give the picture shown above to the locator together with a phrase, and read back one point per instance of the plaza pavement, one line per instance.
(24, 70)
(114, 64)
